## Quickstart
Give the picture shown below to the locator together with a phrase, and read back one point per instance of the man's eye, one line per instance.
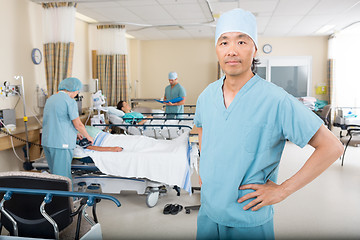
(241, 42)
(223, 43)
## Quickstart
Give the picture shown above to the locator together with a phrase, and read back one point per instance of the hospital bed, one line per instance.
(40, 205)
(151, 172)
(162, 126)
(348, 119)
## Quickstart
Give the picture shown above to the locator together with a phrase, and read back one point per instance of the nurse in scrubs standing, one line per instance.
(243, 123)
(61, 123)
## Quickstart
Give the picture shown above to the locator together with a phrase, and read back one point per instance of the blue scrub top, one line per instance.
(175, 92)
(243, 144)
(58, 130)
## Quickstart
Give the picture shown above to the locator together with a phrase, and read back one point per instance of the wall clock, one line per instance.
(267, 48)
(36, 56)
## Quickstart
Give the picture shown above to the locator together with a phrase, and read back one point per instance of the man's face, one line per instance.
(73, 94)
(173, 82)
(235, 52)
(126, 107)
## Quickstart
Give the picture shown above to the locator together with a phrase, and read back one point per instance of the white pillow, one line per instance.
(116, 112)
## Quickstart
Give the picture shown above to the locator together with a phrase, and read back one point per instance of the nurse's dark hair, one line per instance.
(120, 105)
(254, 64)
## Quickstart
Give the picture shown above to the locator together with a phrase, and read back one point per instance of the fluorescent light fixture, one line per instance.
(129, 36)
(84, 18)
(325, 28)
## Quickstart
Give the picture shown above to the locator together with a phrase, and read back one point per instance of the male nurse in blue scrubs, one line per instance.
(61, 123)
(172, 91)
(243, 123)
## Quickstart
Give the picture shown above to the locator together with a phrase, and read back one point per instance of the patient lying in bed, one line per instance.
(130, 116)
(165, 161)
(129, 143)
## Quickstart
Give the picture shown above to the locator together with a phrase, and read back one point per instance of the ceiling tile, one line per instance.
(274, 17)
(176, 2)
(277, 30)
(260, 6)
(219, 8)
(181, 11)
(152, 12)
(332, 6)
(176, 34)
(284, 20)
(137, 3)
(98, 4)
(122, 15)
(294, 7)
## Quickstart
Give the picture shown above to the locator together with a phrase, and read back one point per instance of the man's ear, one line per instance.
(255, 53)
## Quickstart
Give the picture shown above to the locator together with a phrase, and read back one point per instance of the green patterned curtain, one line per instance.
(112, 64)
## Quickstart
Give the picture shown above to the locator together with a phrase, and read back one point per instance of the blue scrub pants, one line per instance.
(59, 160)
(208, 229)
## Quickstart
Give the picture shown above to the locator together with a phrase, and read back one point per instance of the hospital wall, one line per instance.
(315, 47)
(193, 60)
(21, 31)
(196, 62)
(149, 61)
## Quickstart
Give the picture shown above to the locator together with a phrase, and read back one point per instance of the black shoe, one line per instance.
(168, 208)
(176, 209)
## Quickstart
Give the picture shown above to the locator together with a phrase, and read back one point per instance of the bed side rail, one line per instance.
(161, 126)
(172, 115)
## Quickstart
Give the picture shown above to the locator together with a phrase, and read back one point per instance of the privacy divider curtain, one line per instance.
(344, 52)
(112, 63)
(59, 34)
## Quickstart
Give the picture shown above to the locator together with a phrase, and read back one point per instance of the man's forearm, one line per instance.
(105, 149)
(327, 150)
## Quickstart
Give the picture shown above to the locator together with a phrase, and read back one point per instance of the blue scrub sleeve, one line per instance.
(299, 123)
(197, 118)
(182, 92)
(73, 109)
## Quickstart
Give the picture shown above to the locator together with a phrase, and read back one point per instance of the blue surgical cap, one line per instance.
(237, 20)
(173, 75)
(70, 84)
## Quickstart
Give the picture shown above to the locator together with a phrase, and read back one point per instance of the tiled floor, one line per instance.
(328, 208)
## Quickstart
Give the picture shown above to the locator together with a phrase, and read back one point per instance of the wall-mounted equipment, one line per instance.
(9, 90)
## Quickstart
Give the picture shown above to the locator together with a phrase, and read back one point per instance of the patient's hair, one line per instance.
(120, 105)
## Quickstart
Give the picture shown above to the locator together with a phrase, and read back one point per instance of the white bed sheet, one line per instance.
(165, 161)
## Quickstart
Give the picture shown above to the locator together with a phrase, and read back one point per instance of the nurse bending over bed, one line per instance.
(61, 123)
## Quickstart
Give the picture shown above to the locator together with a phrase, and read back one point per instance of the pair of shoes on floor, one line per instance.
(172, 209)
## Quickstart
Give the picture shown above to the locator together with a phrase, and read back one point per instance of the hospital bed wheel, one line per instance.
(152, 199)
